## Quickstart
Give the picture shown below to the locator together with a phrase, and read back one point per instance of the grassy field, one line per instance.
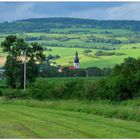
(20, 119)
(67, 56)
(95, 30)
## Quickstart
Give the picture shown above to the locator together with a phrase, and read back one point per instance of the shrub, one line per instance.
(15, 93)
(72, 89)
(124, 83)
(39, 90)
(42, 89)
(0, 92)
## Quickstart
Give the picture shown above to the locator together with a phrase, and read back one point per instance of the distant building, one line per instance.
(76, 61)
(76, 64)
(71, 67)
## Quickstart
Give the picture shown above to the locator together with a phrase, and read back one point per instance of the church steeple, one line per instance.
(76, 61)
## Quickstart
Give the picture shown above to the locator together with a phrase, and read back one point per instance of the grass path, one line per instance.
(17, 121)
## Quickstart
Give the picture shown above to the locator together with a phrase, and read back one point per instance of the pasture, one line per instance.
(94, 30)
(67, 56)
(32, 119)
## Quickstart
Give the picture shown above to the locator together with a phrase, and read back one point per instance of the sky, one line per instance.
(10, 11)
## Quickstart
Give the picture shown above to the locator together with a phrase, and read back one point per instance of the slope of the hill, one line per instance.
(46, 24)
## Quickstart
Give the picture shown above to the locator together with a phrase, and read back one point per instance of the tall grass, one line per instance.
(127, 110)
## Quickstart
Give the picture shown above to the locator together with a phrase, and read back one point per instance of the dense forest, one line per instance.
(46, 24)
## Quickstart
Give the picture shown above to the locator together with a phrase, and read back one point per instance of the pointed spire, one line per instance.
(76, 60)
(76, 52)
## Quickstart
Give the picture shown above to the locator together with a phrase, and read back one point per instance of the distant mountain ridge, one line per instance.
(46, 24)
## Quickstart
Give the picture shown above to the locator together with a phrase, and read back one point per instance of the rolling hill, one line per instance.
(66, 35)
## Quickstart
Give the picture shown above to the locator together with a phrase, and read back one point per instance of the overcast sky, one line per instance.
(10, 11)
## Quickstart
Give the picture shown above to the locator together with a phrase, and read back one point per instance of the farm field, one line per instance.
(67, 57)
(34, 120)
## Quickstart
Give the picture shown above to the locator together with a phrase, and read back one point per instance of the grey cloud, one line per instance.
(128, 11)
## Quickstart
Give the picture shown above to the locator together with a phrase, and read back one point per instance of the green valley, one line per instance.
(66, 35)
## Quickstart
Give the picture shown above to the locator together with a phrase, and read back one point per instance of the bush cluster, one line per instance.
(44, 89)
(15, 94)
(122, 84)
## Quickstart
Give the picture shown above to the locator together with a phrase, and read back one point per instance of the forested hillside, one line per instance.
(46, 24)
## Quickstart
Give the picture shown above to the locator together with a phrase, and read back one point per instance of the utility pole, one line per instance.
(25, 58)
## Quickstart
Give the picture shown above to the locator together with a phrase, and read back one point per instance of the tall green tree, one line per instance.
(14, 66)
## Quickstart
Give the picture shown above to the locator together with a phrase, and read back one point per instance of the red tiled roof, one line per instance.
(71, 67)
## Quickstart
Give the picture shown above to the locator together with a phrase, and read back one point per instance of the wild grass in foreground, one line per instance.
(126, 110)
(24, 119)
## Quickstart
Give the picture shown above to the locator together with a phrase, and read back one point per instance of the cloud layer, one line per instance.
(10, 11)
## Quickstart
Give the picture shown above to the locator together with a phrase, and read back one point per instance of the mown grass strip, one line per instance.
(20, 121)
(127, 110)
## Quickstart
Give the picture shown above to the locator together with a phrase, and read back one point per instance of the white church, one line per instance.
(75, 66)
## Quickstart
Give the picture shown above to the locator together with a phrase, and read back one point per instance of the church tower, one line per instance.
(76, 61)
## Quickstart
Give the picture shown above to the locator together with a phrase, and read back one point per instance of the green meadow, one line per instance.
(62, 119)
(67, 57)
(95, 30)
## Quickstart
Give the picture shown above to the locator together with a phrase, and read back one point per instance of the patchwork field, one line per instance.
(65, 36)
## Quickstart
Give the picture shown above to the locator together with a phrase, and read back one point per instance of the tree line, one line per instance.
(46, 24)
